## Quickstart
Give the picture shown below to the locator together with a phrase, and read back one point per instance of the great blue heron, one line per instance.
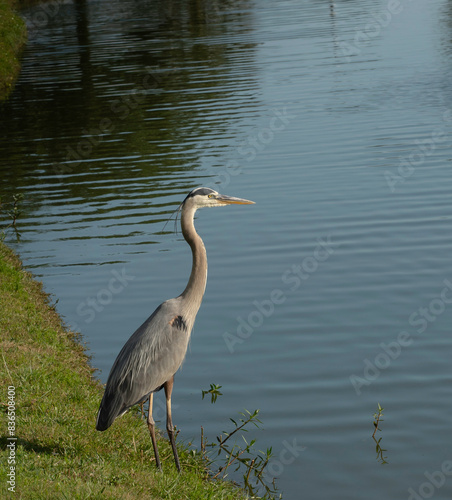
(154, 353)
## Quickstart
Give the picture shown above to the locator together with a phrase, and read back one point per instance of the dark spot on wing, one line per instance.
(178, 322)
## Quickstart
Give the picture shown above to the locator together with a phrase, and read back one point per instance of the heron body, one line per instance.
(154, 353)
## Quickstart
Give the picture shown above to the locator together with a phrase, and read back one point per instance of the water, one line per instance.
(325, 298)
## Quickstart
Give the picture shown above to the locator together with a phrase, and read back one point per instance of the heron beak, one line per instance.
(230, 200)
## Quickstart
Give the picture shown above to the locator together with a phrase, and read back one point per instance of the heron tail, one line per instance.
(110, 408)
(102, 422)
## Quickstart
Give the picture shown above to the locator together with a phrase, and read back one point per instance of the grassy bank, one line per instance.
(13, 35)
(58, 452)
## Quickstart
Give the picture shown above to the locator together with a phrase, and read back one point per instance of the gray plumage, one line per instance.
(151, 356)
(154, 353)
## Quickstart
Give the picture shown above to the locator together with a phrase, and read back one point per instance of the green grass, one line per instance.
(13, 35)
(59, 453)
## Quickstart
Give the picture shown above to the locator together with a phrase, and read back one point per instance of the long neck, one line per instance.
(196, 286)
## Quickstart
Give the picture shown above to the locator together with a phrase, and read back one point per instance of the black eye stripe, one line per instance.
(201, 191)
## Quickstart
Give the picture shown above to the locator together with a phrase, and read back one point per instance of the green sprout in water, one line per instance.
(242, 455)
(239, 454)
(378, 417)
(214, 391)
(12, 211)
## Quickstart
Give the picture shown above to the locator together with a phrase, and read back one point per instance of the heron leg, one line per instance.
(151, 427)
(168, 386)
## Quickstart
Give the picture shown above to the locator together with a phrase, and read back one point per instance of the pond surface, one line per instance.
(330, 295)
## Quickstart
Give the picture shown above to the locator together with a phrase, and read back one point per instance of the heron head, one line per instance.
(206, 197)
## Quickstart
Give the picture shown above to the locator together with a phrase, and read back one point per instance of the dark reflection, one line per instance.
(124, 89)
(82, 29)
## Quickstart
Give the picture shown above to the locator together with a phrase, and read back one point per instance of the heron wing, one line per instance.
(150, 357)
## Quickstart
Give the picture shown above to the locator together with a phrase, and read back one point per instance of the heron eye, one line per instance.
(210, 195)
